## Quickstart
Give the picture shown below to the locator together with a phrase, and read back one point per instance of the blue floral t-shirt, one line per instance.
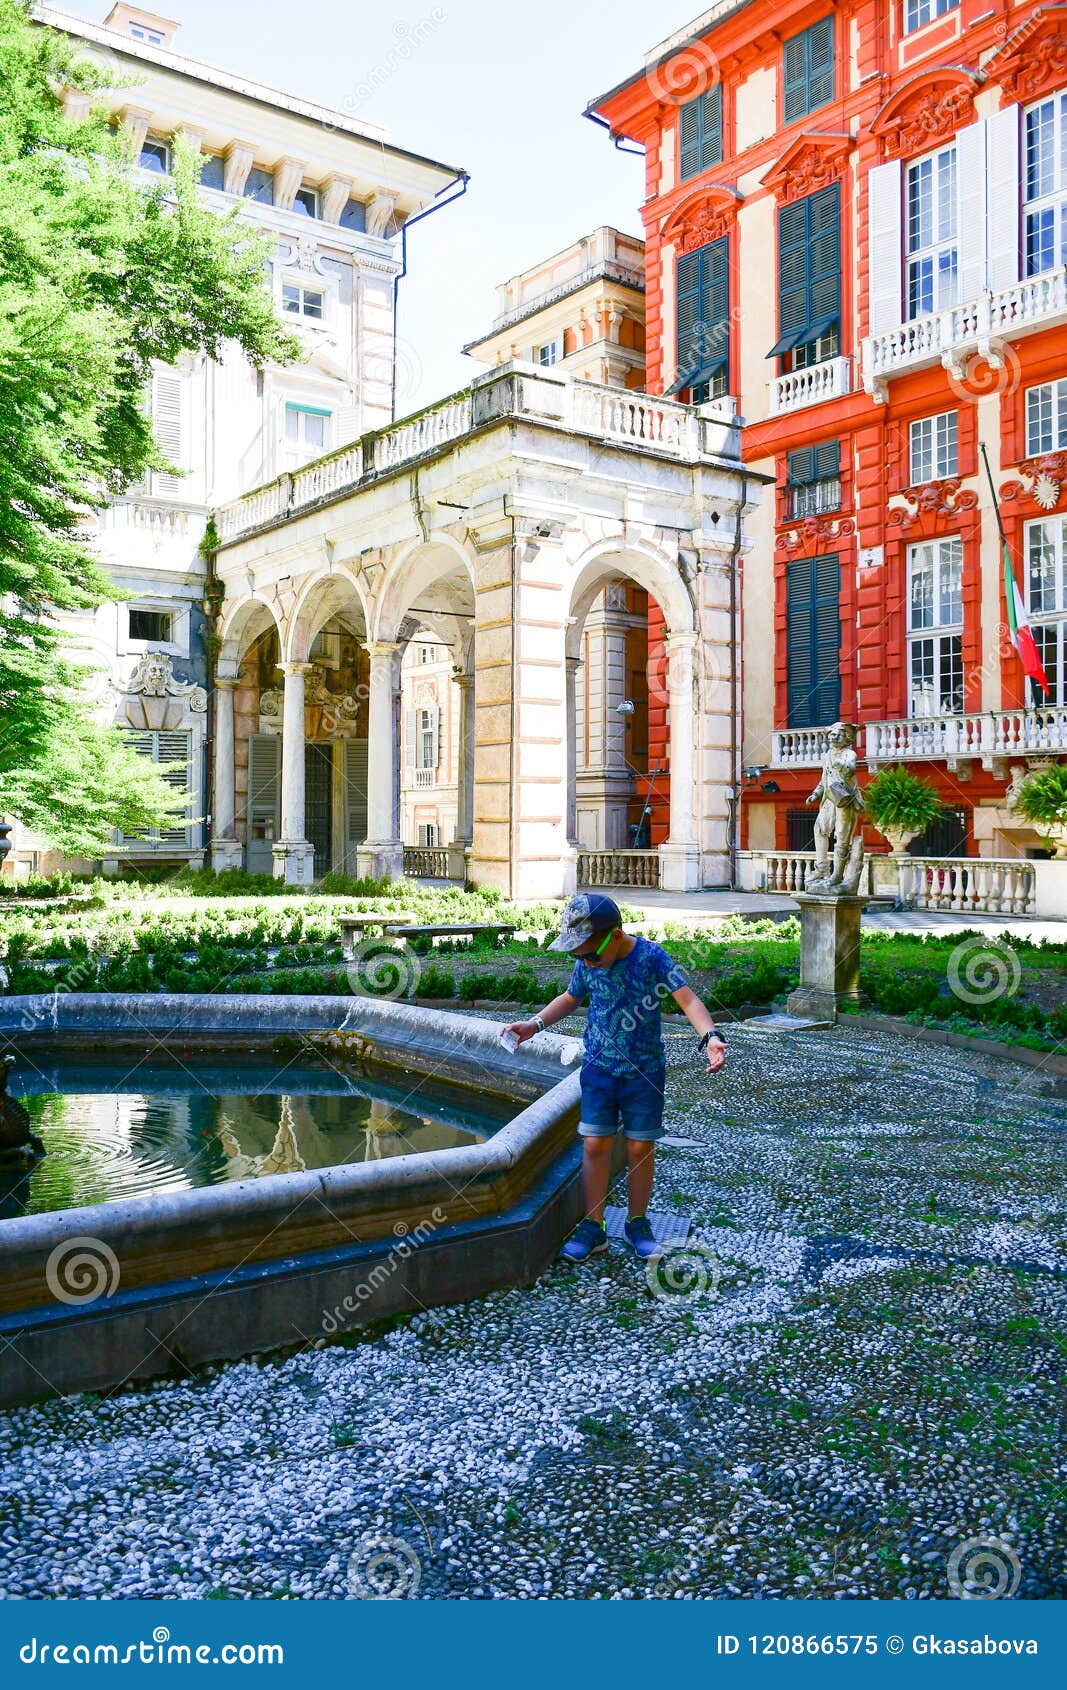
(624, 1029)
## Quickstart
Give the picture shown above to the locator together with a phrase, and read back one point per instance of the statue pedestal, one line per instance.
(829, 953)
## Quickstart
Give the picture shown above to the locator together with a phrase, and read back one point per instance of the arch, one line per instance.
(703, 215)
(644, 564)
(325, 594)
(241, 625)
(440, 569)
(927, 110)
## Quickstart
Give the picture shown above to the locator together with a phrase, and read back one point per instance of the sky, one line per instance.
(495, 89)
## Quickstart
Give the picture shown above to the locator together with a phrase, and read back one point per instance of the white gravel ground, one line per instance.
(852, 1386)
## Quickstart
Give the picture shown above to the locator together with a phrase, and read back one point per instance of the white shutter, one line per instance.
(264, 778)
(168, 424)
(435, 736)
(886, 249)
(411, 739)
(1004, 198)
(971, 210)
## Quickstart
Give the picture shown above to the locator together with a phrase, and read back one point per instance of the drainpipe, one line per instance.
(438, 205)
(735, 691)
(602, 123)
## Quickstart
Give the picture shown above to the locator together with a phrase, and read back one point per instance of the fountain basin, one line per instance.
(125, 1290)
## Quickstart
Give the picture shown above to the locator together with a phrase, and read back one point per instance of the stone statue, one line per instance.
(19, 1144)
(840, 804)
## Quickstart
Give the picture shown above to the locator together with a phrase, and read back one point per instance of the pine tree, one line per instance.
(101, 277)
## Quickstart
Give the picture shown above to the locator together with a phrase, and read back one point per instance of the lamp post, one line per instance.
(627, 709)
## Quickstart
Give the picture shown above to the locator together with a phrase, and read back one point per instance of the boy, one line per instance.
(623, 1068)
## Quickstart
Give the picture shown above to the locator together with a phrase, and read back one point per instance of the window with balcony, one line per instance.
(703, 310)
(808, 70)
(932, 267)
(299, 301)
(1046, 418)
(1046, 597)
(306, 431)
(917, 13)
(1045, 185)
(427, 757)
(809, 280)
(429, 834)
(700, 133)
(935, 628)
(155, 156)
(813, 641)
(813, 479)
(934, 448)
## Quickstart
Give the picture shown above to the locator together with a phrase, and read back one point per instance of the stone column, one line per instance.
(294, 856)
(680, 855)
(574, 664)
(458, 850)
(226, 849)
(382, 853)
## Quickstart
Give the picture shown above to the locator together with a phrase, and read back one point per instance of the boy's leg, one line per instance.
(596, 1176)
(641, 1155)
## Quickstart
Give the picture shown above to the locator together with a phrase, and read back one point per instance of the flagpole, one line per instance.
(993, 494)
(1022, 637)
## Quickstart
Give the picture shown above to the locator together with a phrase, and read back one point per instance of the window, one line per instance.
(155, 156)
(946, 836)
(550, 353)
(808, 70)
(932, 262)
(700, 133)
(299, 301)
(1046, 600)
(427, 653)
(920, 12)
(168, 748)
(427, 752)
(703, 292)
(429, 835)
(813, 641)
(1045, 185)
(814, 479)
(306, 202)
(354, 215)
(306, 429)
(809, 280)
(934, 448)
(259, 185)
(935, 627)
(800, 829)
(155, 626)
(1046, 418)
(213, 171)
(141, 32)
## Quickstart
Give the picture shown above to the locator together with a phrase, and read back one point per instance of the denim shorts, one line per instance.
(635, 1098)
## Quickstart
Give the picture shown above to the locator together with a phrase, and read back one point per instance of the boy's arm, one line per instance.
(700, 1020)
(555, 1011)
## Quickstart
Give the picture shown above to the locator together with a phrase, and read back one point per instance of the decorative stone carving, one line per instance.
(336, 193)
(154, 698)
(815, 531)
(1032, 60)
(381, 208)
(270, 704)
(288, 176)
(332, 714)
(914, 121)
(1046, 476)
(932, 499)
(812, 162)
(840, 804)
(239, 161)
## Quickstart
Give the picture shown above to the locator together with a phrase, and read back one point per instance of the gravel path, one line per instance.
(853, 1385)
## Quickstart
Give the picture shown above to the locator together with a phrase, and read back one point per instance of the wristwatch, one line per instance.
(712, 1033)
(539, 1023)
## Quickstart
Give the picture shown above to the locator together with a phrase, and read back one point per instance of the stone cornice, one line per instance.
(928, 109)
(812, 161)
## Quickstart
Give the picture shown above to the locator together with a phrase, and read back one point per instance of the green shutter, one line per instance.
(813, 640)
(703, 306)
(793, 290)
(814, 463)
(809, 264)
(700, 133)
(808, 70)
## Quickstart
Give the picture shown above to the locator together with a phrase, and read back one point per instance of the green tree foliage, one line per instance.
(100, 277)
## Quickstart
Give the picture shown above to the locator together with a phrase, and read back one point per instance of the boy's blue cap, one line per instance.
(587, 914)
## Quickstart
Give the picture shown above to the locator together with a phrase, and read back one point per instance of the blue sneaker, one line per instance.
(640, 1239)
(587, 1239)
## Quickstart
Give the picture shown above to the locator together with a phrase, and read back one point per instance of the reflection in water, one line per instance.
(114, 1131)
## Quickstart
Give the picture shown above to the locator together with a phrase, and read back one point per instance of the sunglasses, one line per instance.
(591, 956)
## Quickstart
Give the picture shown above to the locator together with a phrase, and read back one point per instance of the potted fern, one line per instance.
(1042, 800)
(901, 805)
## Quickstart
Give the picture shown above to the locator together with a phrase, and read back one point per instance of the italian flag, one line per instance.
(1022, 635)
